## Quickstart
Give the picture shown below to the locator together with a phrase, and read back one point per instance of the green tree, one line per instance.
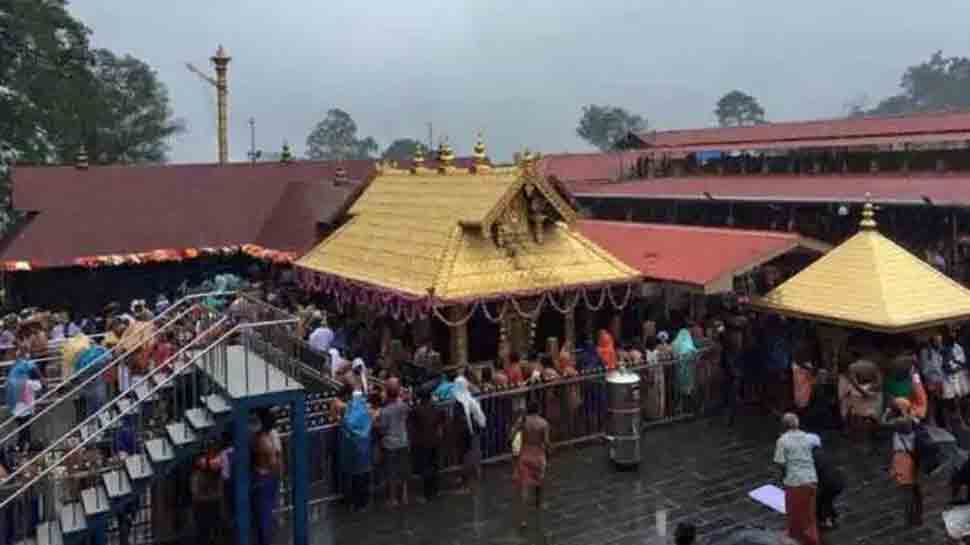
(739, 109)
(335, 138)
(128, 119)
(941, 83)
(607, 127)
(402, 149)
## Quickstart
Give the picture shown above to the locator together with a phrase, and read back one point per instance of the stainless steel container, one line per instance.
(623, 418)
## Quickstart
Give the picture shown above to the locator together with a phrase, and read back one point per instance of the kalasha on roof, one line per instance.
(870, 282)
(454, 235)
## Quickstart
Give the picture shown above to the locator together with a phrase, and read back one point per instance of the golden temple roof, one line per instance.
(460, 235)
(872, 283)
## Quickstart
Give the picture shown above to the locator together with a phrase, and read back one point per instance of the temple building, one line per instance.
(491, 249)
(810, 177)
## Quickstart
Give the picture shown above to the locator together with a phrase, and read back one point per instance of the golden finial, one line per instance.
(446, 157)
(340, 176)
(479, 151)
(868, 214)
(81, 161)
(419, 156)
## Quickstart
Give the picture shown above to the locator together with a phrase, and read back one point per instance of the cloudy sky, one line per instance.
(520, 71)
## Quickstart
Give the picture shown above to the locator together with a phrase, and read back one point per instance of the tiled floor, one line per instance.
(699, 471)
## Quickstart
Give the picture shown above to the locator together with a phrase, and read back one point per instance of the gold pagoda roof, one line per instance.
(461, 234)
(870, 282)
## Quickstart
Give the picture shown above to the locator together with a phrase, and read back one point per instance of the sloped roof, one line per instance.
(123, 210)
(589, 167)
(870, 282)
(888, 188)
(813, 133)
(684, 254)
(417, 234)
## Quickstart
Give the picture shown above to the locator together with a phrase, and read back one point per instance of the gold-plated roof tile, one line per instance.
(872, 283)
(415, 233)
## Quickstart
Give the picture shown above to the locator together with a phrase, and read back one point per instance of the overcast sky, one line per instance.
(520, 71)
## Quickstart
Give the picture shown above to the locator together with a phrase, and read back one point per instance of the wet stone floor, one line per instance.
(699, 471)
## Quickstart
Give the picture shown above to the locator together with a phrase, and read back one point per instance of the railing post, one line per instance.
(299, 474)
(240, 472)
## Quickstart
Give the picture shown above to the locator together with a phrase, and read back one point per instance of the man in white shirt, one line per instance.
(793, 452)
(321, 337)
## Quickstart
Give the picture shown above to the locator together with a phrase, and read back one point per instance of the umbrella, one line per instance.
(751, 536)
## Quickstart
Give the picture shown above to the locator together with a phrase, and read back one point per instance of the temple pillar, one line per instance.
(616, 326)
(459, 335)
(569, 329)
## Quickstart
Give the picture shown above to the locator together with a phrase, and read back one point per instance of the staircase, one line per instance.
(168, 415)
(61, 400)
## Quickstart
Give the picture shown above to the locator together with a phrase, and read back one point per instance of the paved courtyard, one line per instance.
(699, 471)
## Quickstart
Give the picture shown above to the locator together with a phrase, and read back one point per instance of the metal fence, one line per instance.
(671, 390)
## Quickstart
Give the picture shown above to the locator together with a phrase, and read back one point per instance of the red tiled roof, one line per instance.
(824, 132)
(120, 210)
(947, 189)
(587, 167)
(700, 257)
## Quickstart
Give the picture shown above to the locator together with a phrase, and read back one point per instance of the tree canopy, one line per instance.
(607, 127)
(402, 149)
(940, 83)
(739, 109)
(335, 138)
(56, 93)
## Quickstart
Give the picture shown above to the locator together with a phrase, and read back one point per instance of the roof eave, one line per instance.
(759, 303)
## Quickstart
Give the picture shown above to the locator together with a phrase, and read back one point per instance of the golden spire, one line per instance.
(418, 160)
(81, 161)
(446, 158)
(479, 151)
(868, 214)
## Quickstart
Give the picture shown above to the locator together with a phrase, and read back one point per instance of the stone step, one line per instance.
(73, 519)
(49, 533)
(95, 501)
(106, 416)
(181, 434)
(143, 391)
(117, 483)
(139, 467)
(200, 419)
(92, 429)
(159, 450)
(217, 404)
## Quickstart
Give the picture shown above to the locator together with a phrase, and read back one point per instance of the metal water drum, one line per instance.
(623, 418)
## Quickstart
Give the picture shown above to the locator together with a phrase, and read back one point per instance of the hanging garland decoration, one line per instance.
(626, 297)
(461, 321)
(592, 307)
(567, 308)
(532, 316)
(490, 317)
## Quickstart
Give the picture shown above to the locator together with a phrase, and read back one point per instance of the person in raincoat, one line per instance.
(95, 393)
(23, 383)
(469, 421)
(685, 354)
(355, 449)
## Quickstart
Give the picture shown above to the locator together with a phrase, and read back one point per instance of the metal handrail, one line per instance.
(108, 406)
(114, 361)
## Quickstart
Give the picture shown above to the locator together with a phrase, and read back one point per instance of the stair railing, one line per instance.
(114, 357)
(95, 418)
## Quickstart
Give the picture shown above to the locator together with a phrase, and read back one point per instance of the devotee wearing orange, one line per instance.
(606, 350)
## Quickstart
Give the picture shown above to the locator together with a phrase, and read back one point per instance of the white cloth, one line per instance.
(360, 368)
(25, 406)
(470, 405)
(321, 338)
(336, 362)
(794, 451)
